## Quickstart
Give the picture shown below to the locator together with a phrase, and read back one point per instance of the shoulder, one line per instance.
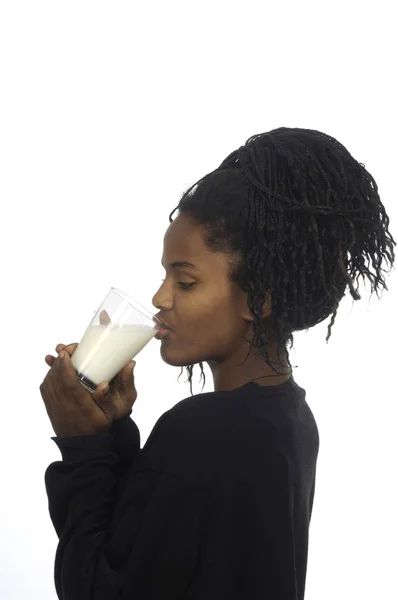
(214, 418)
(211, 436)
(197, 417)
(204, 408)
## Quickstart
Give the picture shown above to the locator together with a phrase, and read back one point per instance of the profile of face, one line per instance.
(207, 314)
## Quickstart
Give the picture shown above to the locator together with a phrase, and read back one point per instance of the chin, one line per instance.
(175, 359)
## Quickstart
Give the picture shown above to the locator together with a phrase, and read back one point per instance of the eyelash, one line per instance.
(184, 286)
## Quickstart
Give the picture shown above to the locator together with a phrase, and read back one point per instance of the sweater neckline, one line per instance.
(271, 388)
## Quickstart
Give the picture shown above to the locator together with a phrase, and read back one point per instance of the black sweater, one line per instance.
(215, 506)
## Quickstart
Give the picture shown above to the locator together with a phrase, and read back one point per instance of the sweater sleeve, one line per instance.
(126, 441)
(141, 544)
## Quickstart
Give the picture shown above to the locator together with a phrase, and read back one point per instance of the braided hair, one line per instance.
(298, 217)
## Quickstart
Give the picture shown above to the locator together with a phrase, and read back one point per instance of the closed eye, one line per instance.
(184, 286)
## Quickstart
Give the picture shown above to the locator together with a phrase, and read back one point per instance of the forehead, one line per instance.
(183, 237)
(184, 241)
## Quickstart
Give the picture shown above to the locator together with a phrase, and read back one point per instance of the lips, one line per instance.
(161, 328)
(162, 323)
(162, 333)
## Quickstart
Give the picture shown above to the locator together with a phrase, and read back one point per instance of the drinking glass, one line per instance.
(119, 330)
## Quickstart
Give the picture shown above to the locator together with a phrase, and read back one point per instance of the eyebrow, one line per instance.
(182, 264)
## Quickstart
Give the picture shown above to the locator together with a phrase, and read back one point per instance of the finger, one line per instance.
(67, 371)
(104, 317)
(49, 359)
(69, 349)
(127, 377)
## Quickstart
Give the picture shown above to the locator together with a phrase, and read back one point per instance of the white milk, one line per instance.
(106, 349)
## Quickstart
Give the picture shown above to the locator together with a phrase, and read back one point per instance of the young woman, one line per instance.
(278, 233)
(218, 503)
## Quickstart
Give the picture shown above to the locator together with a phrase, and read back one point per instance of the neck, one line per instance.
(231, 373)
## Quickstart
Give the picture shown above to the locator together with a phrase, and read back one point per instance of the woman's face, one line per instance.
(206, 312)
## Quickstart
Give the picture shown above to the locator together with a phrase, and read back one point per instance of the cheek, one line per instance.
(208, 331)
(210, 319)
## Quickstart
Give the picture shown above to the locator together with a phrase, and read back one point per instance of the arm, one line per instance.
(126, 439)
(143, 542)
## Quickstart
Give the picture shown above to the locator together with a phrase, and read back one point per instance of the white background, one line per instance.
(109, 111)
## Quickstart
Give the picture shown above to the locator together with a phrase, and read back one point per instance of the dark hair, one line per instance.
(299, 217)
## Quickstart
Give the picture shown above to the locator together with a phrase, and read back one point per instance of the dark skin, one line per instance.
(209, 320)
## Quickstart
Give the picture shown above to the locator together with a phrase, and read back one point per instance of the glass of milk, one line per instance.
(120, 329)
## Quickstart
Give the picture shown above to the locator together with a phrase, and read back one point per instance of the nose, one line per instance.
(162, 299)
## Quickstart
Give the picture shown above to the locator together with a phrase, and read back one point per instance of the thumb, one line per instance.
(102, 393)
(106, 392)
(105, 401)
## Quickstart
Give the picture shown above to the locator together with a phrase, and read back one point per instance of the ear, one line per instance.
(245, 310)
